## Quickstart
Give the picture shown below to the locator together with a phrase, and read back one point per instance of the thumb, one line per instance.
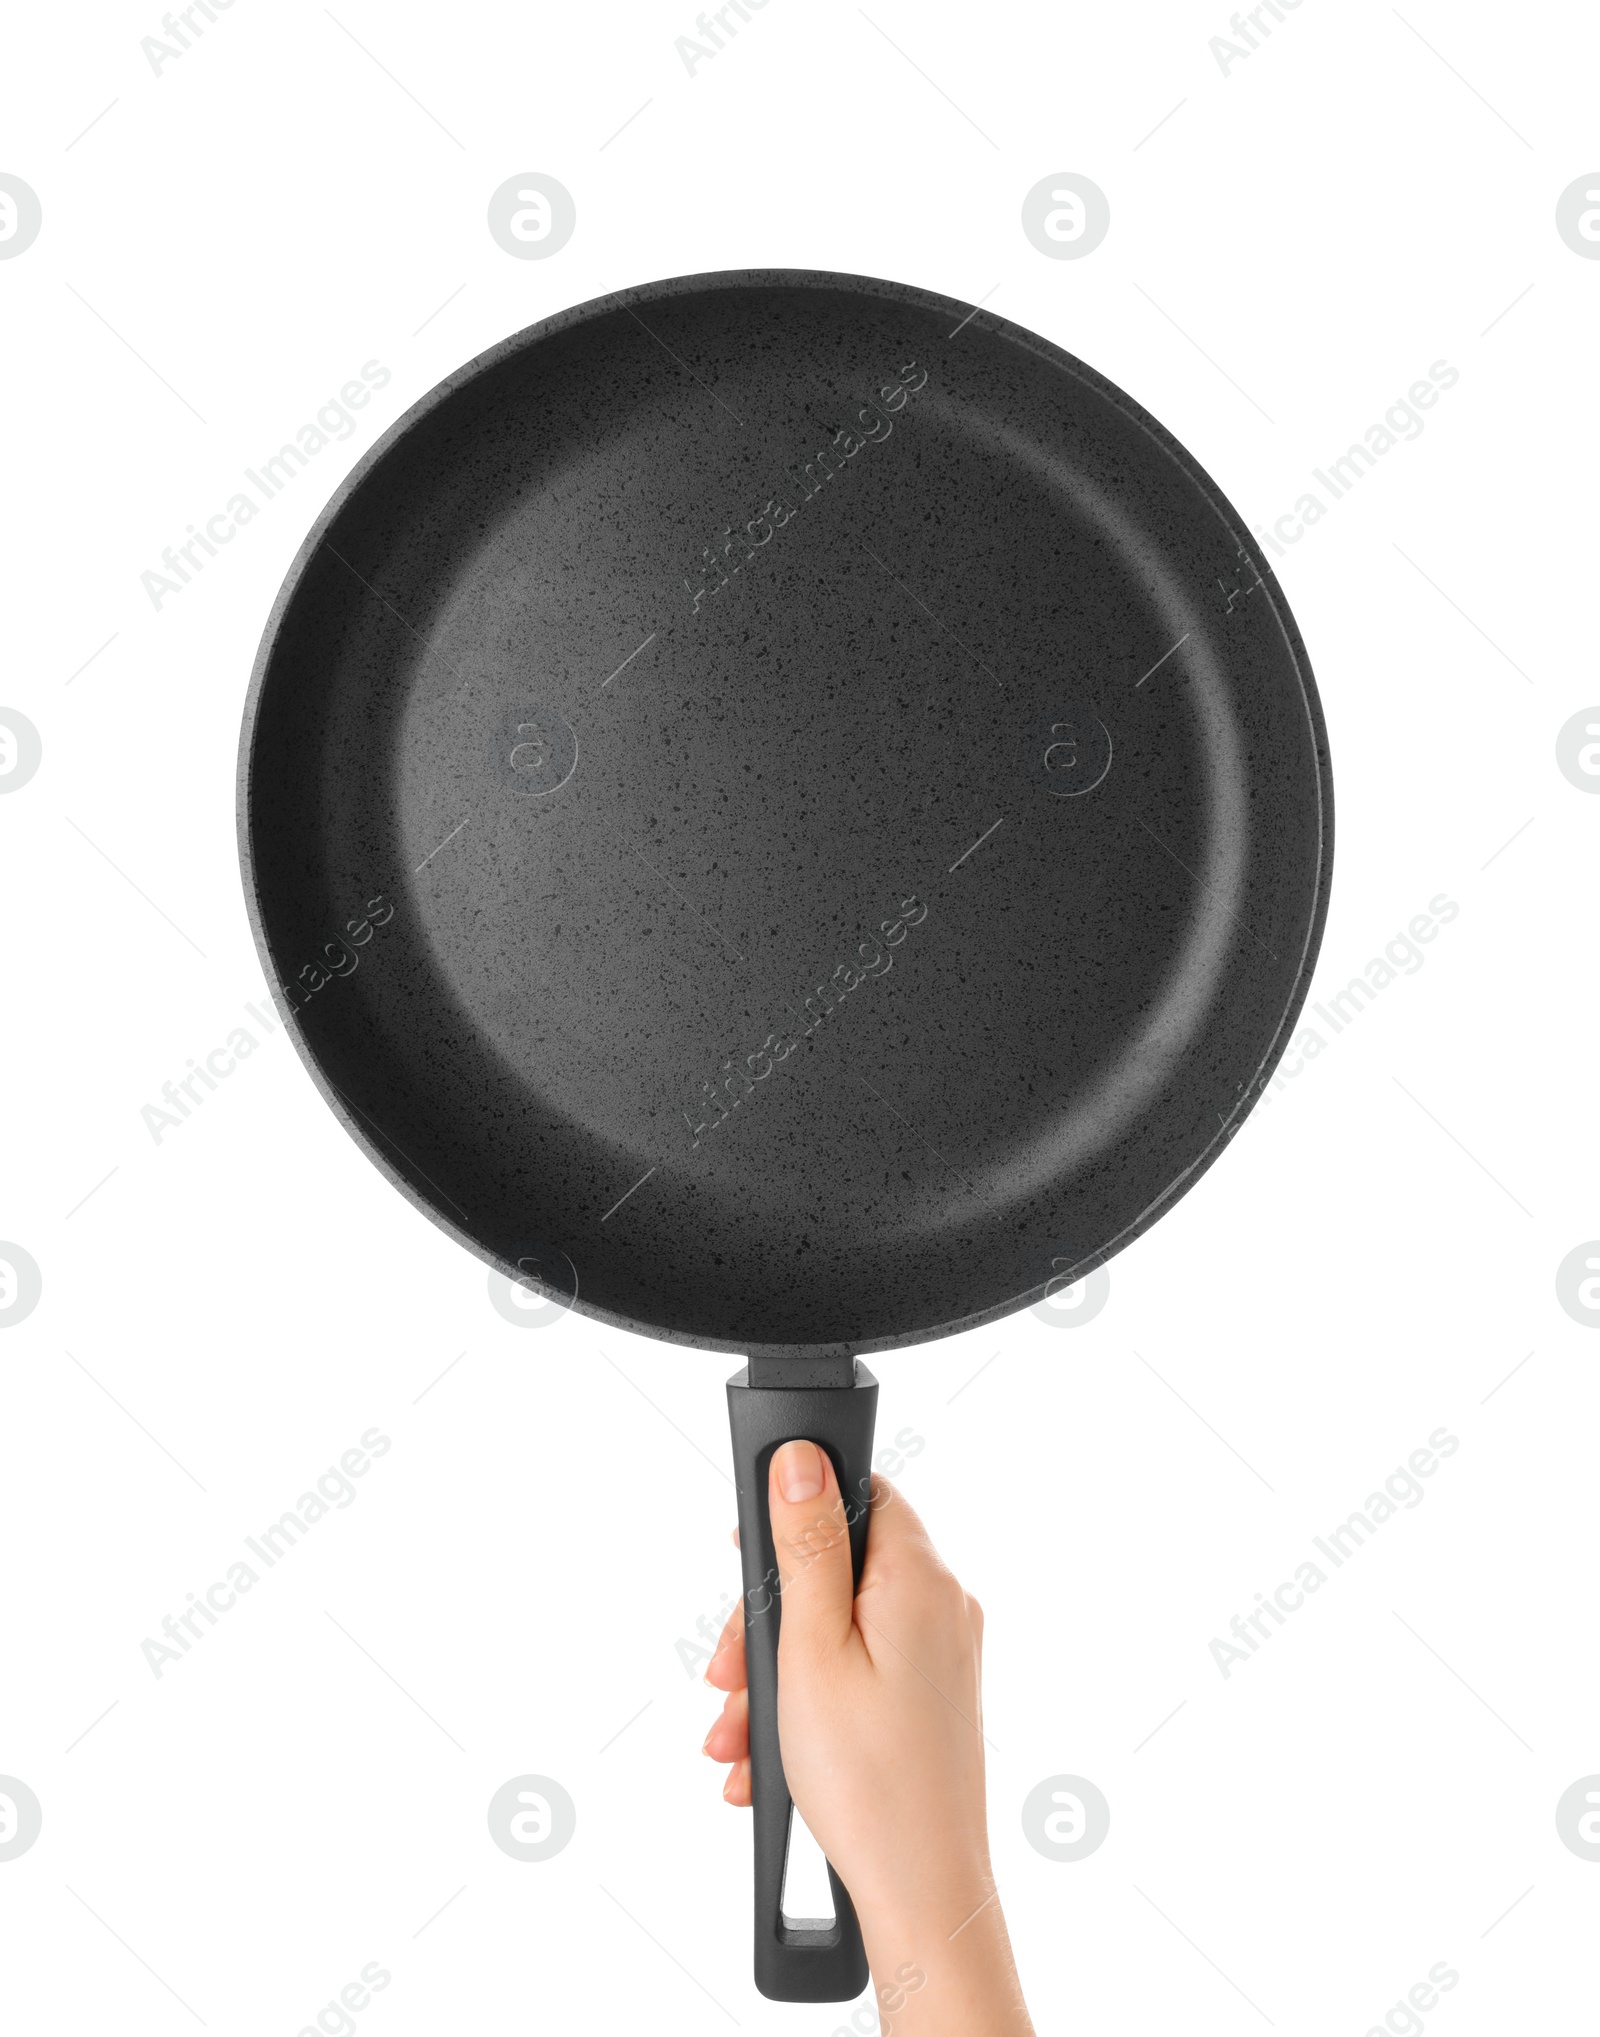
(811, 1539)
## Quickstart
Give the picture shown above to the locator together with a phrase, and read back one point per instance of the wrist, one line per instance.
(926, 1913)
(943, 1967)
(925, 1889)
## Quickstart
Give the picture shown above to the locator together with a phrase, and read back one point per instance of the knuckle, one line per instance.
(817, 1537)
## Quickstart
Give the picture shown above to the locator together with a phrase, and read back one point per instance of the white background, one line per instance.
(1297, 1844)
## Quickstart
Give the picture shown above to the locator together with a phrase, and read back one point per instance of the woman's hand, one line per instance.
(880, 1721)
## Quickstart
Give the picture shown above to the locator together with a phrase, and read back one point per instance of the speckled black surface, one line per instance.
(1041, 1052)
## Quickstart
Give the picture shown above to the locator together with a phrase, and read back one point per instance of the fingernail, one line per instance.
(705, 1744)
(799, 1471)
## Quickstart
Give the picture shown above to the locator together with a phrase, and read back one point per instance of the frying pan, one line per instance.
(786, 813)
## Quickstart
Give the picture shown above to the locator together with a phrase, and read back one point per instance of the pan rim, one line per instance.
(704, 283)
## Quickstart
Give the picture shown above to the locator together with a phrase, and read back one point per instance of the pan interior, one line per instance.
(798, 823)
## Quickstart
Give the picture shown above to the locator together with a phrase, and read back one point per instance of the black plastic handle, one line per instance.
(795, 1960)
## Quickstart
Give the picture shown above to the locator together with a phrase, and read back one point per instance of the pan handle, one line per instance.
(797, 1960)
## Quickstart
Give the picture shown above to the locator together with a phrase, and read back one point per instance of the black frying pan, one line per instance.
(789, 814)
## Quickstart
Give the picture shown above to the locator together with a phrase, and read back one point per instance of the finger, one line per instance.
(896, 1538)
(736, 1790)
(726, 1669)
(910, 1605)
(812, 1542)
(729, 1738)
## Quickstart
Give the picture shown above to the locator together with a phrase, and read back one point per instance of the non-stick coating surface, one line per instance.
(708, 678)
